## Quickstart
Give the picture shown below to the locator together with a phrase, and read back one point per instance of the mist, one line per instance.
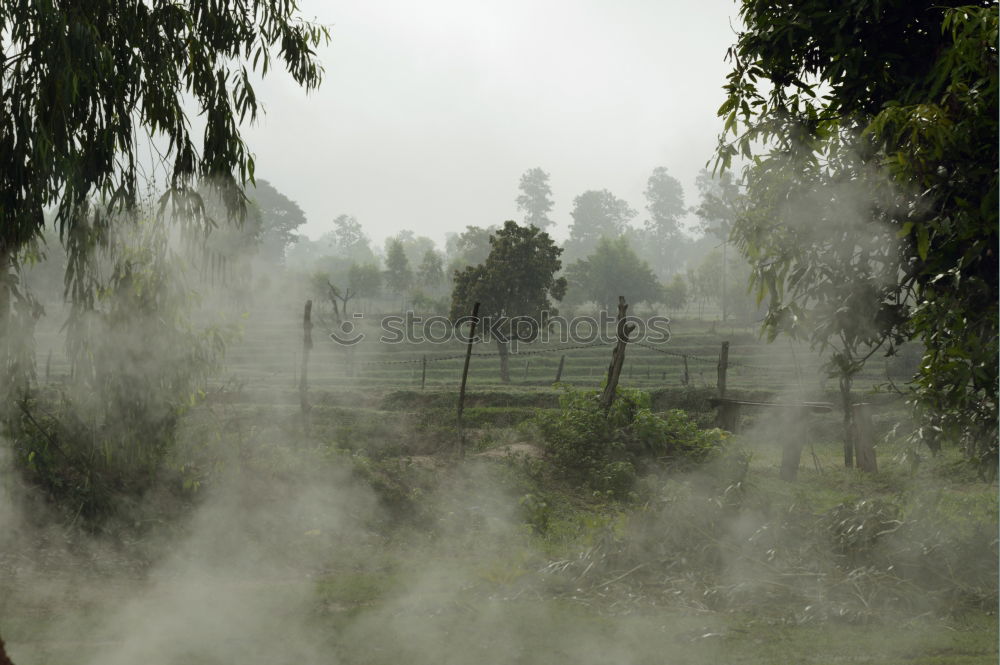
(483, 357)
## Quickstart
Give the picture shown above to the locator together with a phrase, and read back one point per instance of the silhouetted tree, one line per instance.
(535, 199)
(662, 235)
(596, 215)
(398, 276)
(430, 273)
(279, 218)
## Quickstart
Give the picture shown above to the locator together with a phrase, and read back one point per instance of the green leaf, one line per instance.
(923, 241)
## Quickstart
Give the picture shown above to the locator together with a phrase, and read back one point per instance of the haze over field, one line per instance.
(431, 111)
(387, 404)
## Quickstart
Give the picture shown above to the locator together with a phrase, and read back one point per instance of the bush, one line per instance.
(103, 436)
(609, 450)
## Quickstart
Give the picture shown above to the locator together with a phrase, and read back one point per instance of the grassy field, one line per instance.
(358, 536)
(266, 356)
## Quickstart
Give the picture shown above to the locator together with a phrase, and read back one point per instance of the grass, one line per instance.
(495, 560)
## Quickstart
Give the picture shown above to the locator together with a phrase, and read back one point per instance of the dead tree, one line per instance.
(334, 295)
(623, 329)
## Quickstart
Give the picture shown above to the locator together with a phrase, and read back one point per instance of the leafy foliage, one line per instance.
(873, 209)
(612, 270)
(397, 268)
(607, 449)
(137, 359)
(662, 235)
(365, 280)
(596, 215)
(535, 199)
(430, 273)
(279, 218)
(517, 280)
(675, 293)
(85, 82)
(469, 248)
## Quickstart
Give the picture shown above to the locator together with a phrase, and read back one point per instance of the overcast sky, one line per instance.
(430, 111)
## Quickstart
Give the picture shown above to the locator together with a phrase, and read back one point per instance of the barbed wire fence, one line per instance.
(743, 369)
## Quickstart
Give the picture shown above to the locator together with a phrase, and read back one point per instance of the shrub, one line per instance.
(608, 450)
(103, 436)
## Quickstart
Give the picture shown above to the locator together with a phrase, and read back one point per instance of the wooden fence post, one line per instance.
(623, 329)
(465, 375)
(562, 361)
(723, 366)
(423, 372)
(527, 362)
(307, 343)
(687, 377)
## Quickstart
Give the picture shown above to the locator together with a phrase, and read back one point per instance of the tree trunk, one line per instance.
(845, 397)
(503, 349)
(622, 332)
(5, 303)
(864, 438)
(307, 344)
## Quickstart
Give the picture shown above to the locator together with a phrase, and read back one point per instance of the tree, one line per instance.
(469, 248)
(535, 199)
(84, 84)
(675, 293)
(721, 204)
(516, 280)
(873, 194)
(596, 215)
(612, 270)
(398, 275)
(364, 279)
(415, 247)
(348, 240)
(279, 218)
(430, 273)
(665, 205)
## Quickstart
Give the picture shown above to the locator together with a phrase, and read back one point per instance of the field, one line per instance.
(357, 535)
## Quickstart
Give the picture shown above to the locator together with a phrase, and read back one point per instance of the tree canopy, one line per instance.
(614, 269)
(279, 218)
(665, 205)
(517, 279)
(535, 199)
(872, 189)
(596, 215)
(86, 84)
(398, 274)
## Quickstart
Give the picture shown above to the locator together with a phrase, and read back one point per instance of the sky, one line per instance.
(430, 111)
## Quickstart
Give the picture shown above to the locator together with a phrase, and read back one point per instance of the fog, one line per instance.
(210, 453)
(430, 112)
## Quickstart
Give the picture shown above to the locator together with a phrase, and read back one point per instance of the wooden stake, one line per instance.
(526, 365)
(686, 379)
(423, 372)
(465, 375)
(723, 366)
(562, 361)
(307, 344)
(623, 330)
